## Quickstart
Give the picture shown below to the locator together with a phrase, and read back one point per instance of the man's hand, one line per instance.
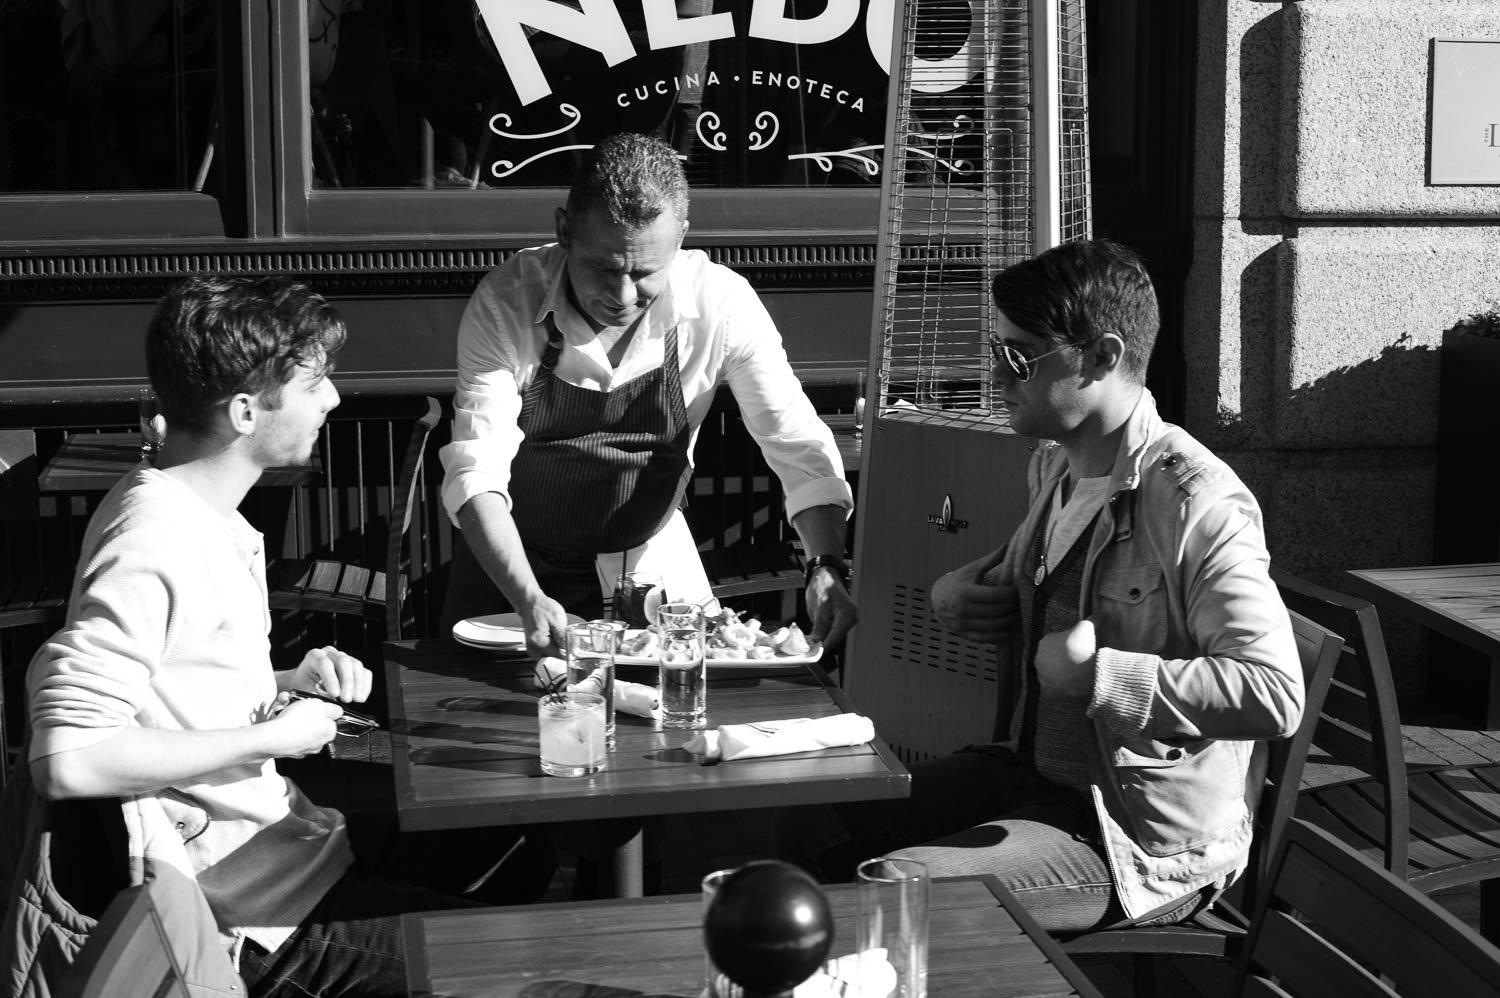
(333, 673)
(1065, 661)
(975, 610)
(830, 608)
(303, 727)
(545, 623)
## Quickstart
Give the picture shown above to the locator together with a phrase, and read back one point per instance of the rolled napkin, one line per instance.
(844, 977)
(631, 698)
(797, 734)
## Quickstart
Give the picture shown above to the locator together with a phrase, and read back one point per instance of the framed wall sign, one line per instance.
(1464, 139)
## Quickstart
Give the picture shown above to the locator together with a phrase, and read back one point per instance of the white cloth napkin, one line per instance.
(797, 734)
(844, 977)
(630, 698)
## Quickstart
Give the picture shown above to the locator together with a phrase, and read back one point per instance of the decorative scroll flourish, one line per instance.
(824, 160)
(711, 119)
(503, 168)
(568, 110)
(956, 165)
(759, 141)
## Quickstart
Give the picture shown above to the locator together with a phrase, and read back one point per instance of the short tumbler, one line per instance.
(571, 728)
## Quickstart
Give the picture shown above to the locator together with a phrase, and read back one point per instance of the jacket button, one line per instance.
(1175, 753)
(1135, 593)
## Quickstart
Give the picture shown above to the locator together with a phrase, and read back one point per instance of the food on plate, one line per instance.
(790, 640)
(728, 639)
(643, 644)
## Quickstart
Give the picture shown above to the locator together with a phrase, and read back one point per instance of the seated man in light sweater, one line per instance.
(161, 681)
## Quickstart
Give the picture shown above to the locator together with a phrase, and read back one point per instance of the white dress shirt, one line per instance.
(724, 335)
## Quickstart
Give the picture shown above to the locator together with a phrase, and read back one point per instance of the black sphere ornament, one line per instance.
(768, 928)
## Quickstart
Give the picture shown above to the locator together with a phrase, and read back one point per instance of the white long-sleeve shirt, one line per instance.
(168, 628)
(724, 335)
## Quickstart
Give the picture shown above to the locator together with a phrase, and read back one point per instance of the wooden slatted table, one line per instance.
(464, 747)
(982, 944)
(1459, 601)
(93, 462)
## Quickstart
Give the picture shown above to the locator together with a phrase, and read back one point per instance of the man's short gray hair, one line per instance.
(633, 178)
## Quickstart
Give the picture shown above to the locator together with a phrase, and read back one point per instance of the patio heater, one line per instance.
(987, 153)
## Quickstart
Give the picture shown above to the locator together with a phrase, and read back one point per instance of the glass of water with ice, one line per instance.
(683, 673)
(571, 726)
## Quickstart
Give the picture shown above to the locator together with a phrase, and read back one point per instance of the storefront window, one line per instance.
(108, 96)
(486, 94)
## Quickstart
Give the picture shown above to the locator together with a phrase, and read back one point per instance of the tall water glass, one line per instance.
(152, 423)
(683, 675)
(715, 984)
(892, 925)
(591, 666)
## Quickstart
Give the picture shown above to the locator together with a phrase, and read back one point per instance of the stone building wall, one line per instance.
(1326, 270)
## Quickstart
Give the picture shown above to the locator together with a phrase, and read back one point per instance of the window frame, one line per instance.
(91, 216)
(519, 217)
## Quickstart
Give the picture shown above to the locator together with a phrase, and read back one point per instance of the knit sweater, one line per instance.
(168, 627)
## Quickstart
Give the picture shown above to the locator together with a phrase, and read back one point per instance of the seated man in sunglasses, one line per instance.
(1155, 657)
(159, 689)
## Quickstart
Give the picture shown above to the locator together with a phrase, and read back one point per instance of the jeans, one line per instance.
(351, 943)
(979, 811)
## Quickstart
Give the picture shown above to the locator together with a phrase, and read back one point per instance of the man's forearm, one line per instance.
(138, 760)
(491, 534)
(822, 529)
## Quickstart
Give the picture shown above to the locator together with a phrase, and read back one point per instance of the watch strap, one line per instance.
(837, 564)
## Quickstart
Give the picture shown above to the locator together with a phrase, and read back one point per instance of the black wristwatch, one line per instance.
(835, 563)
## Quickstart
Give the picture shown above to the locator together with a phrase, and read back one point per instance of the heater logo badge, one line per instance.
(944, 521)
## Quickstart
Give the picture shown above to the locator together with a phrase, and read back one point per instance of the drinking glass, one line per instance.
(591, 666)
(571, 729)
(715, 985)
(153, 424)
(892, 923)
(683, 675)
(636, 597)
(859, 405)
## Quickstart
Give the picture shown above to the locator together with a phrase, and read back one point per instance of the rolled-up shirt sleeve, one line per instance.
(797, 444)
(486, 404)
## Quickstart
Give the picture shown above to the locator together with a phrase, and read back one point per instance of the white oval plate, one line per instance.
(496, 630)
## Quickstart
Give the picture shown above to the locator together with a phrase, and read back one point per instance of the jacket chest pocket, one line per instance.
(1130, 610)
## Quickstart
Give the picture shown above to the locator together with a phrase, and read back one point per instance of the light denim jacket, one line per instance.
(1197, 665)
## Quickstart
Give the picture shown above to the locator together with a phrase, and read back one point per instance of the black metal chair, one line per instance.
(1330, 922)
(1436, 826)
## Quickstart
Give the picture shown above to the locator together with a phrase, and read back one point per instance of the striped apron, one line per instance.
(596, 472)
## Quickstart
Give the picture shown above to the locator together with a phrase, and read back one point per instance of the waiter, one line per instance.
(585, 368)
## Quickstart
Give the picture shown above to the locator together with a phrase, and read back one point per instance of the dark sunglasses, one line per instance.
(1022, 366)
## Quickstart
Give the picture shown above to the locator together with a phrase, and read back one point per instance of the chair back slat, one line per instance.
(1330, 922)
(404, 501)
(1365, 734)
(1306, 964)
(128, 953)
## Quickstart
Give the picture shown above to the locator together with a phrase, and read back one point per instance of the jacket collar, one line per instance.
(1142, 426)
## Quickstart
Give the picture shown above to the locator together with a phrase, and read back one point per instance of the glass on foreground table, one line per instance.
(683, 673)
(571, 729)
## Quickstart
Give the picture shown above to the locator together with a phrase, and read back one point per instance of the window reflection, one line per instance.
(107, 95)
(509, 93)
